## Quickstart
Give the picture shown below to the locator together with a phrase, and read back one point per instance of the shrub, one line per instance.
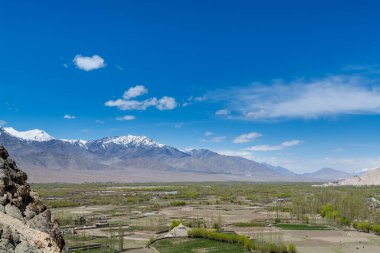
(229, 238)
(282, 248)
(174, 223)
(375, 229)
(177, 203)
(362, 226)
(242, 240)
(328, 208)
(344, 221)
(292, 248)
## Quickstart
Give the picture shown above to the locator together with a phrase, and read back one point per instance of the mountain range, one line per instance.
(135, 158)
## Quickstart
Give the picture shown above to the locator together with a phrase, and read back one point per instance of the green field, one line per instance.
(301, 227)
(136, 213)
(196, 245)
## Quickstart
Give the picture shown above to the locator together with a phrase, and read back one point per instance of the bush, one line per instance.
(328, 208)
(362, 226)
(242, 240)
(175, 223)
(292, 248)
(282, 248)
(328, 212)
(375, 229)
(229, 238)
(344, 221)
(177, 203)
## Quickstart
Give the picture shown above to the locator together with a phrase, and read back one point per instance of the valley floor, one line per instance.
(136, 176)
(128, 216)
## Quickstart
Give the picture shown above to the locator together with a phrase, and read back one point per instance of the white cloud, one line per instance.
(245, 154)
(136, 91)
(127, 103)
(332, 96)
(208, 133)
(166, 103)
(126, 118)
(222, 112)
(302, 164)
(192, 100)
(2, 122)
(99, 121)
(68, 116)
(88, 63)
(214, 139)
(285, 144)
(244, 138)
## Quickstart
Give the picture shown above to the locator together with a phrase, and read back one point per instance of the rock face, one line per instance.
(25, 223)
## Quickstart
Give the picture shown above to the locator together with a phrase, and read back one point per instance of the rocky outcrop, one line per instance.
(26, 224)
(371, 177)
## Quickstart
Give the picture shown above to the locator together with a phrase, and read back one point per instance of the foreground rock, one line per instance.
(25, 223)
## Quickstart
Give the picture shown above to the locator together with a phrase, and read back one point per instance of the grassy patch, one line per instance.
(249, 224)
(197, 246)
(301, 227)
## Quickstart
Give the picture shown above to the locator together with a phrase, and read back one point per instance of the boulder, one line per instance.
(24, 219)
(26, 248)
(13, 211)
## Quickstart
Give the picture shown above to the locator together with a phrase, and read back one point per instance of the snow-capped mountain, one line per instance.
(132, 141)
(31, 135)
(36, 150)
(81, 143)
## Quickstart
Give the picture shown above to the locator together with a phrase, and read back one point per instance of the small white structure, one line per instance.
(178, 231)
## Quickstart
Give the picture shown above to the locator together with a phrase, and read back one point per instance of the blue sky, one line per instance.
(292, 83)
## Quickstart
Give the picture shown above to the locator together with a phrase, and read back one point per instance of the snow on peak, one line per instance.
(81, 143)
(132, 140)
(31, 135)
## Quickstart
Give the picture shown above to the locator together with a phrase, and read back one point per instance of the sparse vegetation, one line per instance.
(145, 209)
(177, 203)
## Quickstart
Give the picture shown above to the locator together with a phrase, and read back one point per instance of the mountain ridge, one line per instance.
(133, 153)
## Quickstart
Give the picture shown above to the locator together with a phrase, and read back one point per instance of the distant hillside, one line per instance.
(371, 177)
(327, 174)
(281, 170)
(132, 156)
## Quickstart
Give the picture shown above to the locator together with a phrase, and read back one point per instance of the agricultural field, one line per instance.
(222, 217)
